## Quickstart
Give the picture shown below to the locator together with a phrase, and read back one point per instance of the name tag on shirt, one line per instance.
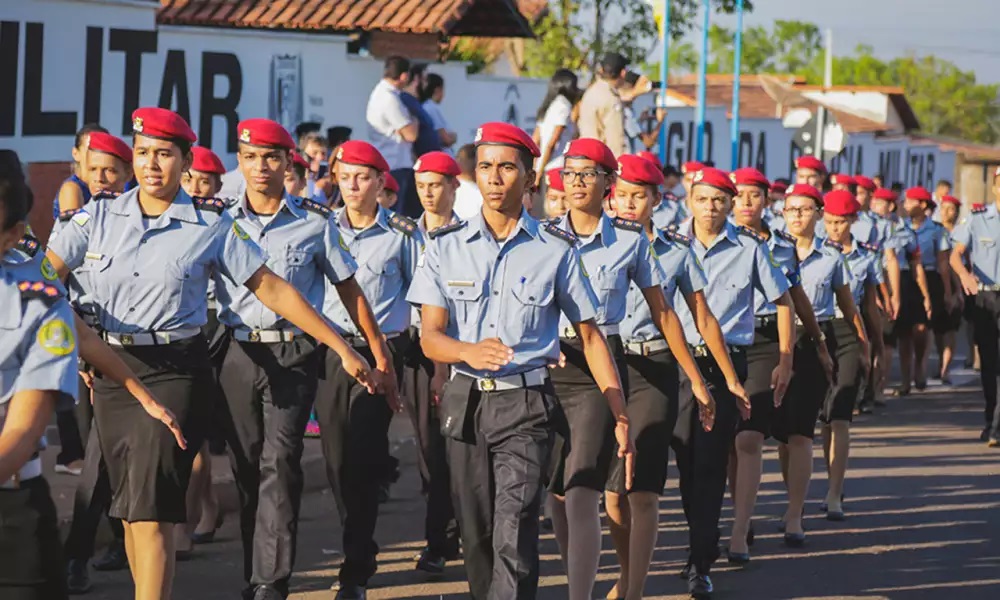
(93, 256)
(459, 283)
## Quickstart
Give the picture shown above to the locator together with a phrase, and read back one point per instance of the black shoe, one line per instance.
(209, 536)
(920, 385)
(547, 522)
(350, 591)
(431, 563)
(795, 540)
(750, 536)
(737, 558)
(77, 577)
(985, 435)
(114, 558)
(383, 493)
(835, 515)
(700, 586)
(685, 572)
(267, 592)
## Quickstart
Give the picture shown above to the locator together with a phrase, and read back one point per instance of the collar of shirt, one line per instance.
(422, 223)
(477, 227)
(817, 249)
(381, 220)
(729, 232)
(289, 204)
(127, 205)
(604, 233)
(385, 85)
(926, 223)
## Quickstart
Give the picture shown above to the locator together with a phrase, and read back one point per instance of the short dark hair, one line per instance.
(87, 129)
(417, 69)
(783, 180)
(338, 134)
(431, 85)
(631, 78)
(671, 171)
(15, 196)
(466, 159)
(395, 66)
(943, 182)
(612, 64)
(306, 127)
(183, 145)
(299, 170)
(896, 187)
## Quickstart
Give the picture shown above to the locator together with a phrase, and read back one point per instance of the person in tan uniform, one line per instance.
(601, 112)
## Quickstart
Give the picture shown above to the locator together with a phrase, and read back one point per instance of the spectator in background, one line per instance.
(338, 134)
(295, 177)
(879, 181)
(315, 148)
(392, 129)
(468, 199)
(431, 95)
(602, 115)
(427, 135)
(302, 130)
(555, 128)
(389, 195)
(327, 191)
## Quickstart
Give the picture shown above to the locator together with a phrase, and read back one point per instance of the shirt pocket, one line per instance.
(293, 265)
(185, 286)
(611, 286)
(466, 300)
(380, 280)
(94, 276)
(532, 301)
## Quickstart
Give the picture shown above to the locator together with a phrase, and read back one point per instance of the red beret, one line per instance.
(554, 179)
(805, 190)
(437, 162)
(951, 200)
(691, 166)
(884, 194)
(919, 193)
(390, 183)
(638, 170)
(810, 162)
(865, 182)
(506, 134)
(594, 150)
(716, 178)
(161, 123)
(841, 179)
(779, 187)
(265, 133)
(357, 152)
(749, 176)
(109, 144)
(841, 203)
(297, 159)
(650, 157)
(206, 161)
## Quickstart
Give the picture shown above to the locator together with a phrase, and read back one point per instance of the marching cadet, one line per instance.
(826, 281)
(388, 196)
(75, 191)
(204, 178)
(883, 208)
(688, 169)
(669, 210)
(840, 181)
(810, 170)
(295, 178)
(840, 210)
(353, 422)
(615, 253)
(769, 359)
(555, 194)
(653, 378)
(270, 369)
(498, 283)
(436, 176)
(148, 255)
(738, 266)
(945, 341)
(978, 234)
(935, 246)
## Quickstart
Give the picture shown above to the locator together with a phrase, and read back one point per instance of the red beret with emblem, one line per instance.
(716, 178)
(638, 170)
(437, 162)
(841, 179)
(951, 200)
(691, 166)
(750, 176)
(265, 133)
(779, 187)
(297, 159)
(554, 179)
(806, 191)
(156, 122)
(884, 194)
(865, 182)
(206, 161)
(390, 183)
(594, 150)
(918, 193)
(109, 144)
(650, 157)
(358, 152)
(841, 203)
(810, 162)
(505, 134)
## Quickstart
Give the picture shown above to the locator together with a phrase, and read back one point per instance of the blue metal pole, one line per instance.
(702, 71)
(737, 67)
(664, 71)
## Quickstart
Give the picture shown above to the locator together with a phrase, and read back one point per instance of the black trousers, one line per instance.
(703, 457)
(354, 433)
(498, 472)
(32, 566)
(440, 523)
(986, 321)
(268, 391)
(70, 441)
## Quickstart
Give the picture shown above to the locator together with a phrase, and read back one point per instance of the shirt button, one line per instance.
(135, 274)
(131, 309)
(496, 293)
(142, 241)
(461, 293)
(491, 326)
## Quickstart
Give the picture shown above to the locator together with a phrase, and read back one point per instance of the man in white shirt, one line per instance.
(392, 129)
(468, 199)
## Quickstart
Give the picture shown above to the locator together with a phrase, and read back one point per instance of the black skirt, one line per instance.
(911, 302)
(762, 358)
(807, 390)
(149, 473)
(846, 352)
(943, 320)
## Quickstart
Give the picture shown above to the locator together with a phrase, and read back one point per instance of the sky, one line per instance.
(966, 32)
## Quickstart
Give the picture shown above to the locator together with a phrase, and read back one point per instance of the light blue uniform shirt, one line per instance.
(386, 253)
(868, 229)
(822, 271)
(932, 238)
(617, 253)
(152, 274)
(422, 226)
(739, 267)
(782, 247)
(303, 247)
(980, 234)
(904, 241)
(865, 266)
(670, 211)
(513, 289)
(683, 276)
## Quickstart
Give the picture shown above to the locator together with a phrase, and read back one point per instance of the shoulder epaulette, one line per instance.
(104, 195)
(870, 247)
(215, 205)
(435, 233)
(561, 233)
(672, 234)
(621, 223)
(670, 196)
(751, 233)
(835, 245)
(316, 207)
(66, 215)
(785, 235)
(38, 289)
(978, 208)
(29, 245)
(403, 224)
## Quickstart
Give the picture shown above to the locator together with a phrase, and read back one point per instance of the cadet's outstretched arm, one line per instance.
(28, 414)
(487, 355)
(363, 317)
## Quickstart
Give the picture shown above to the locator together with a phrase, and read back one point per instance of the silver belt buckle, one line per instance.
(126, 339)
(700, 351)
(487, 384)
(645, 348)
(254, 336)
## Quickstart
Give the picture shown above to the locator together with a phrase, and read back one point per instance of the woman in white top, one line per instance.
(555, 127)
(431, 95)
